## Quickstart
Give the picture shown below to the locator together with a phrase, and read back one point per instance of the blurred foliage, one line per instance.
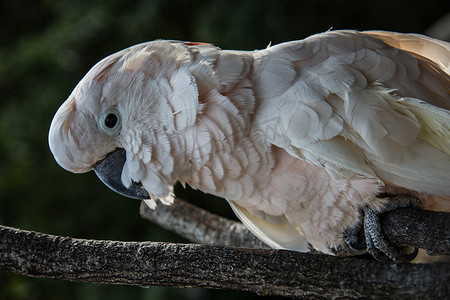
(45, 49)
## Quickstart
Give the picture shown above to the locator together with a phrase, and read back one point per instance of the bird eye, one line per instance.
(109, 122)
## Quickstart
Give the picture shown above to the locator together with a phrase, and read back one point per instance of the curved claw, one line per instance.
(355, 239)
(109, 170)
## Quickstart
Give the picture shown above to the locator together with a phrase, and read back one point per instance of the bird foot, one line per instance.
(369, 234)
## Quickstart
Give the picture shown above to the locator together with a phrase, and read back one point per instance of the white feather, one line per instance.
(299, 136)
(277, 236)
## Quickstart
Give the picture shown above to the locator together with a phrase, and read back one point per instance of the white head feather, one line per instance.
(137, 86)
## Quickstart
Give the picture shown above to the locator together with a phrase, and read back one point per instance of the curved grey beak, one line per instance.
(109, 170)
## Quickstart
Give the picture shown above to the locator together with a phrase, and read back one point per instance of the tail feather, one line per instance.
(435, 123)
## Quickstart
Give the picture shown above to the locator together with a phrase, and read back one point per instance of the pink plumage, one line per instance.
(298, 137)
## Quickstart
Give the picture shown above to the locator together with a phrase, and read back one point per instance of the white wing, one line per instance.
(351, 103)
(275, 235)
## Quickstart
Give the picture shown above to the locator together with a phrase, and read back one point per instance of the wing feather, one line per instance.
(275, 235)
(432, 49)
(372, 104)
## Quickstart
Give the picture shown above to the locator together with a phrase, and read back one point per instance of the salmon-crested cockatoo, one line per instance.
(308, 140)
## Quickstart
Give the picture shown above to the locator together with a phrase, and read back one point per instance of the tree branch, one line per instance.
(266, 272)
(414, 227)
(201, 226)
(410, 227)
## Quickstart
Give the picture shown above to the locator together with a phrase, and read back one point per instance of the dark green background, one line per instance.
(45, 49)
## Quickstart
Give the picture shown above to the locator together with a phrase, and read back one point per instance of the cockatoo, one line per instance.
(303, 138)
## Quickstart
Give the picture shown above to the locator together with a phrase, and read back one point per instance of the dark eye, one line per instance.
(111, 120)
(110, 123)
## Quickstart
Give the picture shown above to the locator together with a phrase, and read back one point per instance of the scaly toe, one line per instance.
(375, 241)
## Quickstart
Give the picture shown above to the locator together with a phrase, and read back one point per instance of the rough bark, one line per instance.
(413, 227)
(263, 271)
(266, 272)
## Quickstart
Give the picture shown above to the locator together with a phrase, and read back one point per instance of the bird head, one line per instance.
(118, 119)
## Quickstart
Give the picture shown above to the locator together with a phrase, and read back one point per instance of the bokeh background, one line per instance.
(45, 49)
